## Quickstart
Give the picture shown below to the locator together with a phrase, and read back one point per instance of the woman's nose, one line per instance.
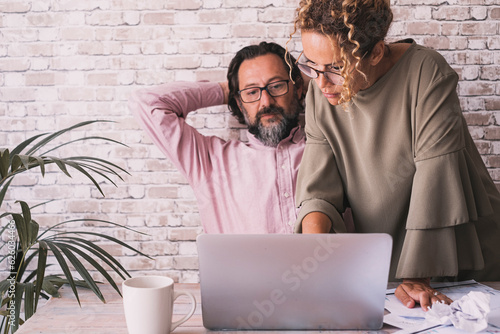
(322, 81)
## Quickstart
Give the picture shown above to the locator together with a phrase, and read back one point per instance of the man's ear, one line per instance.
(238, 102)
(377, 53)
(300, 87)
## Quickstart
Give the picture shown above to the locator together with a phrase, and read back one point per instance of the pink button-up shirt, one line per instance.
(240, 187)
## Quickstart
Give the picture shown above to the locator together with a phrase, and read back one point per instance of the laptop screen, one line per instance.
(299, 281)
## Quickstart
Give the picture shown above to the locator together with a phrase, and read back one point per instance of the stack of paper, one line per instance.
(414, 320)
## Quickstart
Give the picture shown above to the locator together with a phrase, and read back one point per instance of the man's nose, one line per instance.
(265, 99)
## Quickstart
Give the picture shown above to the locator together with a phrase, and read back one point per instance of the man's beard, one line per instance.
(277, 129)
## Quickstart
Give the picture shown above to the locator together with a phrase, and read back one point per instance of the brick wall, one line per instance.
(65, 61)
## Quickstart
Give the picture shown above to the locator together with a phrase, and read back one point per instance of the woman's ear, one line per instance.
(377, 53)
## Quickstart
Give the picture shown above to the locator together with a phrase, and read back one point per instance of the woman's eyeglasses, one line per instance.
(334, 77)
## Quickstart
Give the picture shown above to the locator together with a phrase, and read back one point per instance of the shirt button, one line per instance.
(291, 223)
(283, 166)
(286, 194)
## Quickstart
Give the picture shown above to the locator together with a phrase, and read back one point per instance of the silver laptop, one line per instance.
(294, 281)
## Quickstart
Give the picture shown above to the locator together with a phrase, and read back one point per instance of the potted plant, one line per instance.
(24, 244)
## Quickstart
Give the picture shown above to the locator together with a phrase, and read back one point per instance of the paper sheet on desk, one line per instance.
(413, 320)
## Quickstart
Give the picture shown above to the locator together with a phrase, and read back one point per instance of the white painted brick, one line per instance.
(48, 34)
(479, 13)
(186, 192)
(182, 62)
(40, 6)
(185, 262)
(210, 61)
(190, 276)
(23, 34)
(14, 79)
(184, 76)
(46, 94)
(185, 16)
(131, 48)
(247, 15)
(495, 148)
(18, 95)
(253, 4)
(219, 31)
(470, 73)
(3, 50)
(210, 4)
(188, 248)
(131, 18)
(477, 43)
(15, 20)
(15, 7)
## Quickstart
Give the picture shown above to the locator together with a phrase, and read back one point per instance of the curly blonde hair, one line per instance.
(356, 25)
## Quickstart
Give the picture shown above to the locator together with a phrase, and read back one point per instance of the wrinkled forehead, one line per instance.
(261, 70)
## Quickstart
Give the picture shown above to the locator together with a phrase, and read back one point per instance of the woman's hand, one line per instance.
(418, 290)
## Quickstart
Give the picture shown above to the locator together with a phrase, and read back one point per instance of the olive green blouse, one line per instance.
(401, 156)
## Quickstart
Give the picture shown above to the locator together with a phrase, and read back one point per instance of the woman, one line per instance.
(386, 137)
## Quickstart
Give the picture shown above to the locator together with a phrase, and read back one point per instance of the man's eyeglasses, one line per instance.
(333, 77)
(253, 94)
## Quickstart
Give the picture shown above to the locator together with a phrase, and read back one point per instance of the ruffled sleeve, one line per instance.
(448, 195)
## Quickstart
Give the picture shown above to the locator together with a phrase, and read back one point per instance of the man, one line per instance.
(240, 187)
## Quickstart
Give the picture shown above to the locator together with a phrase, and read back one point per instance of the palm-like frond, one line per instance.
(15, 162)
(71, 250)
(68, 248)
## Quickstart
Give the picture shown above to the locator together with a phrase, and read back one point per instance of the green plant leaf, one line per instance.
(19, 160)
(18, 299)
(96, 265)
(54, 135)
(104, 236)
(19, 148)
(27, 162)
(101, 162)
(33, 228)
(65, 269)
(4, 162)
(39, 162)
(22, 230)
(40, 270)
(5, 285)
(29, 300)
(59, 281)
(26, 212)
(80, 268)
(61, 164)
(84, 139)
(24, 265)
(91, 220)
(99, 252)
(3, 190)
(48, 287)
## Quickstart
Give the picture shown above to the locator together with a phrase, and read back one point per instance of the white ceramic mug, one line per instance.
(148, 303)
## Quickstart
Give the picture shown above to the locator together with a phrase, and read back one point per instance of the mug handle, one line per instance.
(190, 313)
